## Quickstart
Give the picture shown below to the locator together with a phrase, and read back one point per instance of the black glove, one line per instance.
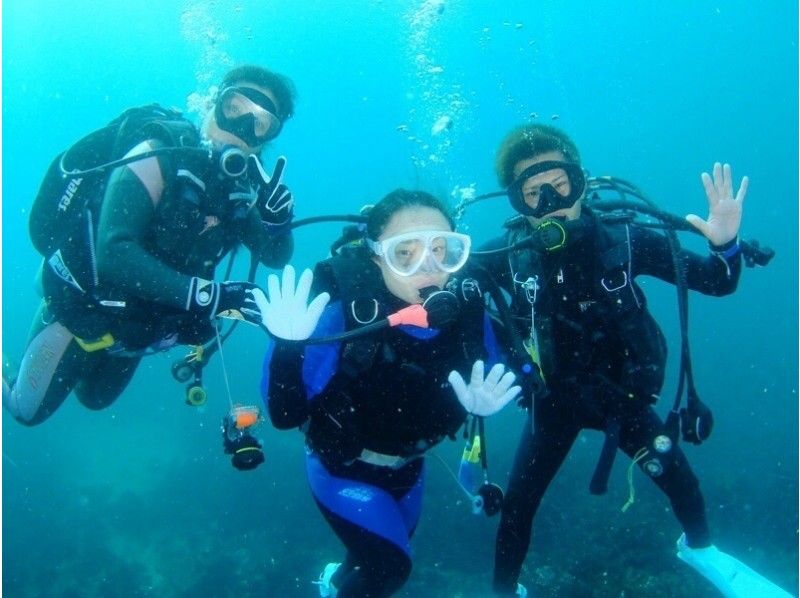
(234, 299)
(274, 202)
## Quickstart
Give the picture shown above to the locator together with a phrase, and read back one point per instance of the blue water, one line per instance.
(138, 499)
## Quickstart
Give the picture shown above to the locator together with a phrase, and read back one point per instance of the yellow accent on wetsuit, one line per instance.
(90, 346)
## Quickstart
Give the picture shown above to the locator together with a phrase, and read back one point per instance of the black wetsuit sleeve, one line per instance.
(122, 260)
(328, 419)
(273, 249)
(287, 404)
(716, 274)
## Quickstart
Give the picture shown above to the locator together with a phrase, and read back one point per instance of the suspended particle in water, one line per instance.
(555, 117)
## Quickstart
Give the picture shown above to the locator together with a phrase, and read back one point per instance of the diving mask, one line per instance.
(249, 114)
(546, 187)
(429, 251)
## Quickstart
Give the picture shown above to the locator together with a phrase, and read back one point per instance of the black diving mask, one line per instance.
(249, 114)
(561, 186)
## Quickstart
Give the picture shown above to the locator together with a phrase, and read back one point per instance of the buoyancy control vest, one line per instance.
(66, 211)
(76, 179)
(396, 380)
(588, 319)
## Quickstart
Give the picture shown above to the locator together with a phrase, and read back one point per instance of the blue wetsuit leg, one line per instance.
(374, 513)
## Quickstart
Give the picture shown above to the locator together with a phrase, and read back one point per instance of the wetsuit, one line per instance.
(147, 251)
(370, 408)
(586, 345)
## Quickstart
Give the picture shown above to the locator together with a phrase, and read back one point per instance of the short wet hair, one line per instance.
(281, 86)
(400, 199)
(529, 141)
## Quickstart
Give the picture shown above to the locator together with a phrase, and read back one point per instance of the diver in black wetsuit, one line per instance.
(371, 406)
(601, 353)
(164, 225)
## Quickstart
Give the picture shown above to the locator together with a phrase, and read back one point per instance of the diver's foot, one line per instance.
(326, 587)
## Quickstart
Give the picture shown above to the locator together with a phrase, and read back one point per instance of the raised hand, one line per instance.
(275, 203)
(287, 313)
(724, 210)
(484, 397)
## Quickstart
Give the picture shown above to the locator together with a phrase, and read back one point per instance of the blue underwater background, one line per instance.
(139, 499)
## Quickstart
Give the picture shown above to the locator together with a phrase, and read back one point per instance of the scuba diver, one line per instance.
(381, 381)
(131, 245)
(585, 321)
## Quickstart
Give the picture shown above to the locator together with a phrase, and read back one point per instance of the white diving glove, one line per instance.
(485, 397)
(287, 313)
(724, 210)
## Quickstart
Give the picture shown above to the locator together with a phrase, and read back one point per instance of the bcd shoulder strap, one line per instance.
(353, 280)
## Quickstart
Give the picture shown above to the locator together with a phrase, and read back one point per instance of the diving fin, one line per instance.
(730, 576)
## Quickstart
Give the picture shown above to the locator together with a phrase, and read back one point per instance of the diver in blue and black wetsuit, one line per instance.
(371, 405)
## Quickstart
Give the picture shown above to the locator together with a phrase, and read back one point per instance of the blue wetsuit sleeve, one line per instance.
(294, 373)
(490, 342)
(322, 360)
